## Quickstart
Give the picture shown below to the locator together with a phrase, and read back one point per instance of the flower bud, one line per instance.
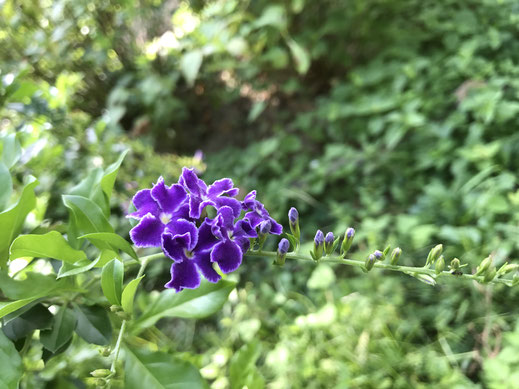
(105, 351)
(99, 373)
(455, 264)
(434, 254)
(490, 274)
(370, 262)
(348, 240)
(123, 315)
(484, 265)
(386, 250)
(293, 221)
(440, 265)
(507, 268)
(379, 256)
(318, 244)
(395, 255)
(328, 243)
(283, 247)
(263, 231)
(115, 308)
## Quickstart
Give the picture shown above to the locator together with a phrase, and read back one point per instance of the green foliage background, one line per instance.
(398, 118)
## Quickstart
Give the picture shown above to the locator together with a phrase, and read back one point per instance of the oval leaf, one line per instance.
(116, 242)
(157, 370)
(11, 306)
(93, 324)
(88, 216)
(50, 245)
(12, 219)
(36, 318)
(129, 293)
(108, 180)
(61, 331)
(190, 303)
(10, 364)
(112, 281)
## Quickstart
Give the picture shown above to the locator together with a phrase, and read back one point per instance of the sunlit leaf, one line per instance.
(112, 281)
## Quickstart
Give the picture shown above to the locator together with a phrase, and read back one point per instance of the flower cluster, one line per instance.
(175, 219)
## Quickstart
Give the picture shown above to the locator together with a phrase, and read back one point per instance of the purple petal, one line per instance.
(147, 233)
(219, 187)
(206, 239)
(175, 246)
(253, 218)
(249, 201)
(190, 180)
(204, 264)
(227, 255)
(144, 204)
(276, 228)
(225, 217)
(232, 192)
(228, 202)
(184, 275)
(169, 198)
(180, 227)
(243, 242)
(195, 206)
(243, 228)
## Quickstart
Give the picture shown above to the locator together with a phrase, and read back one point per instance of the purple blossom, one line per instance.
(171, 218)
(258, 213)
(200, 195)
(319, 238)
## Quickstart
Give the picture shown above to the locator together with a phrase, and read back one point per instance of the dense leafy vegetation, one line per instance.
(396, 117)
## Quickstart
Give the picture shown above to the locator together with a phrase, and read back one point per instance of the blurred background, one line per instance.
(396, 117)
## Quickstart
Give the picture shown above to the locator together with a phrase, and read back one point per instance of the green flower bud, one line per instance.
(318, 244)
(484, 265)
(348, 240)
(507, 268)
(386, 251)
(328, 243)
(105, 351)
(434, 254)
(115, 308)
(100, 373)
(395, 255)
(490, 274)
(370, 262)
(123, 315)
(440, 265)
(100, 383)
(283, 247)
(455, 264)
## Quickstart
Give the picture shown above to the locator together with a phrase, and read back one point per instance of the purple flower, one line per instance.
(258, 213)
(283, 246)
(319, 238)
(200, 195)
(350, 232)
(233, 239)
(190, 249)
(158, 208)
(293, 216)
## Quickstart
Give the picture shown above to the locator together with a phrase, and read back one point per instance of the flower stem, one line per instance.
(380, 265)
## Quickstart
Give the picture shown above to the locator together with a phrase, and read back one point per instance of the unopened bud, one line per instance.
(348, 240)
(105, 351)
(263, 231)
(434, 254)
(395, 255)
(283, 247)
(328, 243)
(455, 264)
(379, 256)
(123, 315)
(490, 274)
(293, 221)
(318, 244)
(100, 383)
(507, 268)
(440, 265)
(115, 308)
(100, 373)
(484, 265)
(386, 250)
(370, 262)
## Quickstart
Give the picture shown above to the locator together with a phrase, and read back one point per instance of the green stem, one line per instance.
(144, 262)
(380, 265)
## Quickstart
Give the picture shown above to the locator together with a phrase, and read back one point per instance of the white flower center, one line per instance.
(165, 218)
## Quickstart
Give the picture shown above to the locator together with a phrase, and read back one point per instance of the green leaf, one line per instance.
(11, 306)
(190, 303)
(129, 293)
(11, 150)
(157, 370)
(10, 364)
(190, 65)
(50, 245)
(115, 241)
(112, 281)
(93, 324)
(243, 371)
(108, 180)
(62, 328)
(6, 185)
(11, 220)
(34, 285)
(300, 55)
(67, 269)
(88, 216)
(36, 318)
